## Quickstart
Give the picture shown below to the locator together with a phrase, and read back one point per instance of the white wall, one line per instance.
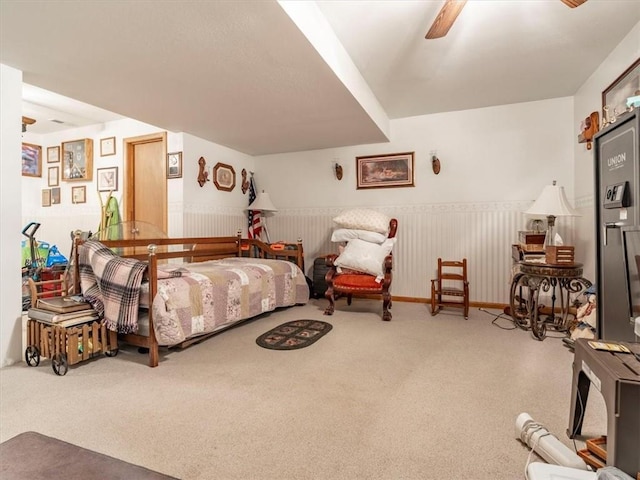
(10, 204)
(502, 153)
(589, 99)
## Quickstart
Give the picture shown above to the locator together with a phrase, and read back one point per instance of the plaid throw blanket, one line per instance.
(111, 285)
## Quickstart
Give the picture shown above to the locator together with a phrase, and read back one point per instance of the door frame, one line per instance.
(129, 174)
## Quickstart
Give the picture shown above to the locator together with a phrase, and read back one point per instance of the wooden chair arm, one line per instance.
(388, 263)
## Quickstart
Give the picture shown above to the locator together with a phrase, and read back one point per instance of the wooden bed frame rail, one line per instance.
(189, 249)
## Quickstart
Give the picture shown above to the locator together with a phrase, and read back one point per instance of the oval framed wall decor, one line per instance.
(224, 177)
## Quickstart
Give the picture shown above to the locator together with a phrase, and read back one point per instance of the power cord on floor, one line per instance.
(500, 316)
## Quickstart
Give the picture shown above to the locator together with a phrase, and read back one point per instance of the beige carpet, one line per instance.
(419, 397)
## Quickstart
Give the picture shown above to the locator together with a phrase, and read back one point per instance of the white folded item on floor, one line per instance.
(545, 471)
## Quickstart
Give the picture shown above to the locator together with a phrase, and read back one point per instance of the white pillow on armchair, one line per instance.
(365, 257)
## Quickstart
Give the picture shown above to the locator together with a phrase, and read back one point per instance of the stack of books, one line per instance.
(63, 311)
(531, 247)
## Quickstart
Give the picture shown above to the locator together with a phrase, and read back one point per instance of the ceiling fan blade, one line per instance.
(447, 15)
(573, 3)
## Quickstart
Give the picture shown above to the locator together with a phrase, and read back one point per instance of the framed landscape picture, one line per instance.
(380, 171)
(626, 85)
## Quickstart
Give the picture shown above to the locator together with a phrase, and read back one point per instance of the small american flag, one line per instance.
(255, 218)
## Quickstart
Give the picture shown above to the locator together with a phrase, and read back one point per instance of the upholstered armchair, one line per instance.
(342, 280)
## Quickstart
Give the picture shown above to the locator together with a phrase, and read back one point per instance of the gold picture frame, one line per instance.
(385, 171)
(53, 176)
(46, 197)
(55, 196)
(174, 165)
(107, 146)
(53, 154)
(77, 160)
(79, 194)
(224, 177)
(31, 160)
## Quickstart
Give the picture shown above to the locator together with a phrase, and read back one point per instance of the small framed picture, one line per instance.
(54, 176)
(174, 165)
(79, 194)
(107, 146)
(55, 196)
(46, 197)
(224, 177)
(53, 154)
(107, 179)
(31, 160)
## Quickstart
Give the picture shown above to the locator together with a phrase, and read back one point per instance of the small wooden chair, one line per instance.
(451, 282)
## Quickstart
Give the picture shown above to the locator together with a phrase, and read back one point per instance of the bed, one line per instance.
(172, 292)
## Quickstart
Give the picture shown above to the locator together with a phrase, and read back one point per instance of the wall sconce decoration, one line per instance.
(435, 164)
(338, 169)
(590, 126)
(245, 182)
(27, 121)
(203, 175)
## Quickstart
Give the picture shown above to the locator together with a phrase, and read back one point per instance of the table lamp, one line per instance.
(552, 203)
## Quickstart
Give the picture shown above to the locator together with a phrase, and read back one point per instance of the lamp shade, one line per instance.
(262, 203)
(552, 201)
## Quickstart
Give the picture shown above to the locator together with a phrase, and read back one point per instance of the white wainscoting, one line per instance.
(481, 232)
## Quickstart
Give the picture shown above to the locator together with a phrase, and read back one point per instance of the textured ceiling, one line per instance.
(243, 75)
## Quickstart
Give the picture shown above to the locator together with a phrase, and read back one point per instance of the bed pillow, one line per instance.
(363, 219)
(346, 234)
(364, 256)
